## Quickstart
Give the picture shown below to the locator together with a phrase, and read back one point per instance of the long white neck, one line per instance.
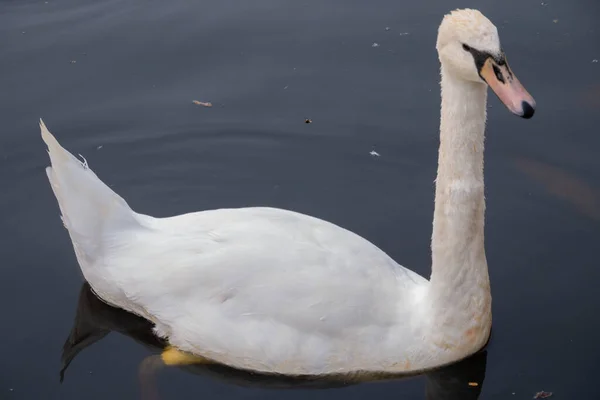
(459, 289)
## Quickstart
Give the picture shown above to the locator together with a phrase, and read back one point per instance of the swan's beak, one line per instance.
(508, 88)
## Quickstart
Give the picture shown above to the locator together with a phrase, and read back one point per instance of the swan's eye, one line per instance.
(502, 58)
(466, 47)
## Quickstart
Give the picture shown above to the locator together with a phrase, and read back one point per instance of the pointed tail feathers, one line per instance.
(91, 211)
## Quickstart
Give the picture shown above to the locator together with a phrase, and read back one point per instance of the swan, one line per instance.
(276, 291)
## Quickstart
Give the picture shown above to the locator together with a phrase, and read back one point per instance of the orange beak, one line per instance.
(508, 88)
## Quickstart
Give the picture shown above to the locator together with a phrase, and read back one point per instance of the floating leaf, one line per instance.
(202, 103)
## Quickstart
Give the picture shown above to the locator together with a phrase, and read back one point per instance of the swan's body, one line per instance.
(276, 291)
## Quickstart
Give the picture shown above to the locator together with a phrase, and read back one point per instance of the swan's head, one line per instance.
(469, 49)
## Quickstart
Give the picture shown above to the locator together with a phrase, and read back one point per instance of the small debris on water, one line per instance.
(375, 45)
(73, 61)
(22, 33)
(555, 21)
(202, 103)
(473, 384)
(404, 33)
(99, 147)
(286, 86)
(543, 4)
(11, 390)
(308, 121)
(374, 153)
(542, 395)
(594, 60)
(387, 28)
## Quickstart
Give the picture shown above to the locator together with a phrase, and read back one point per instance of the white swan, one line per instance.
(276, 291)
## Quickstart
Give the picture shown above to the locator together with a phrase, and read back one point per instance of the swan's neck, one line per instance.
(459, 281)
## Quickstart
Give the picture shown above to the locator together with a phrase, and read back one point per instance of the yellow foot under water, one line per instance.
(174, 357)
(171, 357)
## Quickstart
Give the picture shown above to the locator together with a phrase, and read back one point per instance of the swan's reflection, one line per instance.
(95, 319)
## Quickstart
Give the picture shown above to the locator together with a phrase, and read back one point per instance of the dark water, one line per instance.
(115, 80)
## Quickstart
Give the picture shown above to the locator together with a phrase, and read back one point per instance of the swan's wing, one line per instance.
(248, 279)
(281, 264)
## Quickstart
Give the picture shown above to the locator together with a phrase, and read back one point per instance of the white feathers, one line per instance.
(90, 209)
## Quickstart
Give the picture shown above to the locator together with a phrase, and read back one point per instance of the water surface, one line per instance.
(115, 80)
